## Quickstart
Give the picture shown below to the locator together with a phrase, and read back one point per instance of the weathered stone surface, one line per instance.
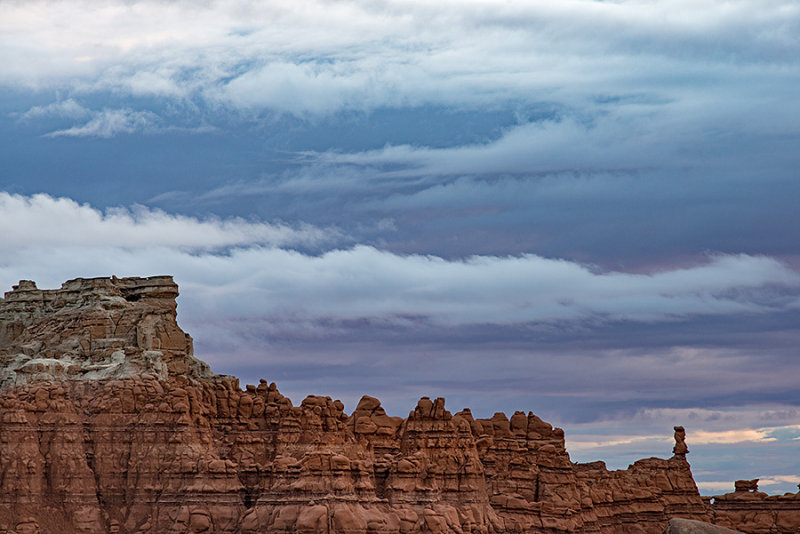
(680, 441)
(96, 328)
(690, 526)
(109, 424)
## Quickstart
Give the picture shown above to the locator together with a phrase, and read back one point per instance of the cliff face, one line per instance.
(93, 329)
(109, 424)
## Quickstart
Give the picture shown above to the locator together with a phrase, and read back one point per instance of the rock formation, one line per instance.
(94, 329)
(754, 512)
(680, 447)
(109, 424)
(690, 526)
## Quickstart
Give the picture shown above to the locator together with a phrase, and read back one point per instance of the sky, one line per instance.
(585, 209)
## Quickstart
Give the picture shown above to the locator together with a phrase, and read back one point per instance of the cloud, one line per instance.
(105, 123)
(111, 122)
(723, 419)
(614, 434)
(325, 56)
(308, 88)
(778, 479)
(365, 282)
(68, 108)
(717, 487)
(42, 221)
(531, 148)
(703, 437)
(582, 444)
(638, 219)
(675, 135)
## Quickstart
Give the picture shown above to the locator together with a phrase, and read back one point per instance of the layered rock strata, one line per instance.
(91, 329)
(754, 512)
(109, 424)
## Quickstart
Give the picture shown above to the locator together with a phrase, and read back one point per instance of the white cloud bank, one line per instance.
(317, 56)
(58, 238)
(639, 82)
(41, 221)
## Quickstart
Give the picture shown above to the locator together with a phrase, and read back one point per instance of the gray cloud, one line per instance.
(547, 146)
(363, 282)
(621, 220)
(358, 55)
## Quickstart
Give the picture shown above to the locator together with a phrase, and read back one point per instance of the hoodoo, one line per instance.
(110, 424)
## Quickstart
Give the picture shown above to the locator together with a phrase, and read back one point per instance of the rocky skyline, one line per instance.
(110, 424)
(585, 209)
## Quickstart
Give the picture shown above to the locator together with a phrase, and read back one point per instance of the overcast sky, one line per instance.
(585, 209)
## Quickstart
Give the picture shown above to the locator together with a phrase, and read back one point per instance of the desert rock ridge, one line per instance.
(110, 424)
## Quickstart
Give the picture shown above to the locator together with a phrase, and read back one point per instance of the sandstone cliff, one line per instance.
(109, 424)
(96, 328)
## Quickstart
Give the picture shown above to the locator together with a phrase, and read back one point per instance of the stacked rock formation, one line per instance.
(109, 424)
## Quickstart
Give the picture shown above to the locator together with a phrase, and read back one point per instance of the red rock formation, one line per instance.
(109, 424)
(751, 511)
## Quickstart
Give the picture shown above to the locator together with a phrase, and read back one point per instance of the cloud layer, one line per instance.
(363, 282)
(44, 221)
(357, 54)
